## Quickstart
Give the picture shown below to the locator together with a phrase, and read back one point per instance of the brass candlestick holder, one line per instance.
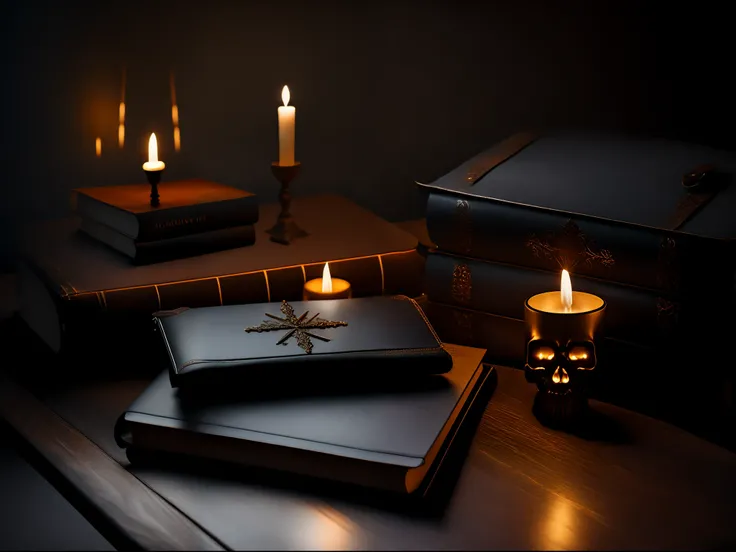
(286, 230)
(154, 177)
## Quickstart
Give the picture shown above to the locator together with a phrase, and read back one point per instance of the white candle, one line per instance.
(153, 164)
(287, 122)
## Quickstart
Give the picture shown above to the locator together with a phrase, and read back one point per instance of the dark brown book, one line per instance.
(169, 249)
(75, 291)
(187, 207)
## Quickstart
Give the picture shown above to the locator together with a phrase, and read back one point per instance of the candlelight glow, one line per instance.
(175, 115)
(121, 135)
(566, 291)
(153, 152)
(326, 279)
(98, 146)
(121, 113)
(560, 375)
(285, 95)
(177, 139)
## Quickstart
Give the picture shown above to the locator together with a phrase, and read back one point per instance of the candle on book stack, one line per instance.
(153, 169)
(561, 329)
(327, 287)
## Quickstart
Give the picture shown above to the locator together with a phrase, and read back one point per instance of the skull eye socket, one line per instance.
(581, 355)
(541, 354)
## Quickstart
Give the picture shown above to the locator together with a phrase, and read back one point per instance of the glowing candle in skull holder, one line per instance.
(561, 331)
(327, 287)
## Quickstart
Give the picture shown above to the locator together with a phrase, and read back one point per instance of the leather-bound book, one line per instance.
(189, 245)
(384, 432)
(82, 297)
(650, 213)
(338, 337)
(187, 207)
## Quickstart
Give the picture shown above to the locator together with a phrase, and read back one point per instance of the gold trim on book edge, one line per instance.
(383, 276)
(304, 273)
(219, 290)
(268, 286)
(126, 288)
(158, 296)
(104, 300)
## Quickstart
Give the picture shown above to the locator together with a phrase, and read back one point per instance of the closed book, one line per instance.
(187, 207)
(389, 435)
(607, 206)
(169, 249)
(339, 337)
(632, 314)
(80, 295)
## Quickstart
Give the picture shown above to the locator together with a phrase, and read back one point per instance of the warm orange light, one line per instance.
(153, 149)
(121, 135)
(98, 146)
(566, 291)
(175, 115)
(582, 356)
(285, 95)
(560, 376)
(177, 139)
(326, 279)
(121, 113)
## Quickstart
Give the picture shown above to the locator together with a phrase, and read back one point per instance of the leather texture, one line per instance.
(629, 180)
(209, 345)
(368, 432)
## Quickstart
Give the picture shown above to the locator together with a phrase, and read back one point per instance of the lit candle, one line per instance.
(561, 330)
(153, 164)
(327, 287)
(287, 123)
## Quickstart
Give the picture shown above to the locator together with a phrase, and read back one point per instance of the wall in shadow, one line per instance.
(386, 93)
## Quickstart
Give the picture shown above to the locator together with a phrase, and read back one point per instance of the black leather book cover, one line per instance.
(345, 338)
(384, 431)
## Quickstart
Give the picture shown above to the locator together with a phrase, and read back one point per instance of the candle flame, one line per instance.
(98, 146)
(121, 135)
(566, 291)
(285, 95)
(121, 113)
(175, 115)
(152, 149)
(326, 279)
(177, 139)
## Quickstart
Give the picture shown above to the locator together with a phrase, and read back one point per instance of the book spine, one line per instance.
(129, 310)
(632, 314)
(192, 219)
(548, 240)
(195, 244)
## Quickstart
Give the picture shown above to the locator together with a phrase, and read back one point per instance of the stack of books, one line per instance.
(616, 212)
(194, 217)
(359, 391)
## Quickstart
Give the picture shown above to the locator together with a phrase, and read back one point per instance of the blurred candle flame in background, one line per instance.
(98, 146)
(121, 113)
(175, 113)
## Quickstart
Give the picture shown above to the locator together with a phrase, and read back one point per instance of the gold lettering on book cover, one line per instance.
(184, 221)
(462, 284)
(569, 247)
(462, 226)
(667, 273)
(296, 326)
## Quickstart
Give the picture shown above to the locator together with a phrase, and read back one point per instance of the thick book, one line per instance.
(187, 207)
(632, 314)
(76, 293)
(350, 338)
(191, 245)
(387, 435)
(610, 207)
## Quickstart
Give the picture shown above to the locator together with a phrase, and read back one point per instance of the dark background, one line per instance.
(386, 92)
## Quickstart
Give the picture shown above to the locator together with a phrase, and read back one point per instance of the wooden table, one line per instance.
(632, 482)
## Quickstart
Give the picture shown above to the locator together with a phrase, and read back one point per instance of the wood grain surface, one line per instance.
(625, 481)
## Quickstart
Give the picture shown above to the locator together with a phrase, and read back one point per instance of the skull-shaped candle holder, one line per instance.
(561, 352)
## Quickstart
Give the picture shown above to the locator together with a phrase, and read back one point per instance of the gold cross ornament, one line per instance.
(298, 326)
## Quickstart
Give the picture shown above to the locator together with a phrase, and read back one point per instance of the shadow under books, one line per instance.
(429, 502)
